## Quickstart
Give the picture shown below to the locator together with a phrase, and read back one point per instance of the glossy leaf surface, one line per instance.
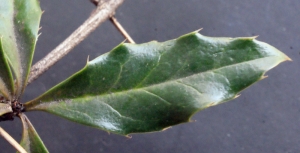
(19, 25)
(152, 86)
(31, 141)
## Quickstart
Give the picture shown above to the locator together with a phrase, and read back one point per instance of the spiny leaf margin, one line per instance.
(149, 87)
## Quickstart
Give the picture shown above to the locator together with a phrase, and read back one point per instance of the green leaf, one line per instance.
(6, 79)
(31, 141)
(152, 86)
(19, 25)
(5, 108)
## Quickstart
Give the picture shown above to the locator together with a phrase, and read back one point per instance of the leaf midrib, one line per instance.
(168, 81)
(172, 80)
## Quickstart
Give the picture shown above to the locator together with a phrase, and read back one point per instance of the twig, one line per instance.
(12, 141)
(121, 29)
(117, 24)
(103, 11)
(95, 2)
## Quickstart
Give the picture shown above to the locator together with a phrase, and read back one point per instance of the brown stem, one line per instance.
(103, 11)
(12, 141)
(115, 22)
(121, 29)
(95, 2)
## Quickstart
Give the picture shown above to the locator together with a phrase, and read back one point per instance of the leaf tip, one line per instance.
(254, 37)
(123, 41)
(197, 31)
(211, 104)
(288, 59)
(88, 59)
(236, 96)
(128, 136)
(263, 77)
(192, 121)
(164, 129)
(284, 58)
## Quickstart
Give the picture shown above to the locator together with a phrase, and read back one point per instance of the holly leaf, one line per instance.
(6, 79)
(152, 86)
(19, 25)
(5, 108)
(31, 141)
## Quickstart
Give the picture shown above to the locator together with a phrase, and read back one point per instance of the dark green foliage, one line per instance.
(149, 87)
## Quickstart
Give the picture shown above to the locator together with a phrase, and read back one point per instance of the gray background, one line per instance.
(265, 118)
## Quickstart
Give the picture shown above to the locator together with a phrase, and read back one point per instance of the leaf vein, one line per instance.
(157, 96)
(150, 72)
(117, 112)
(117, 79)
(201, 73)
(78, 112)
(189, 86)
